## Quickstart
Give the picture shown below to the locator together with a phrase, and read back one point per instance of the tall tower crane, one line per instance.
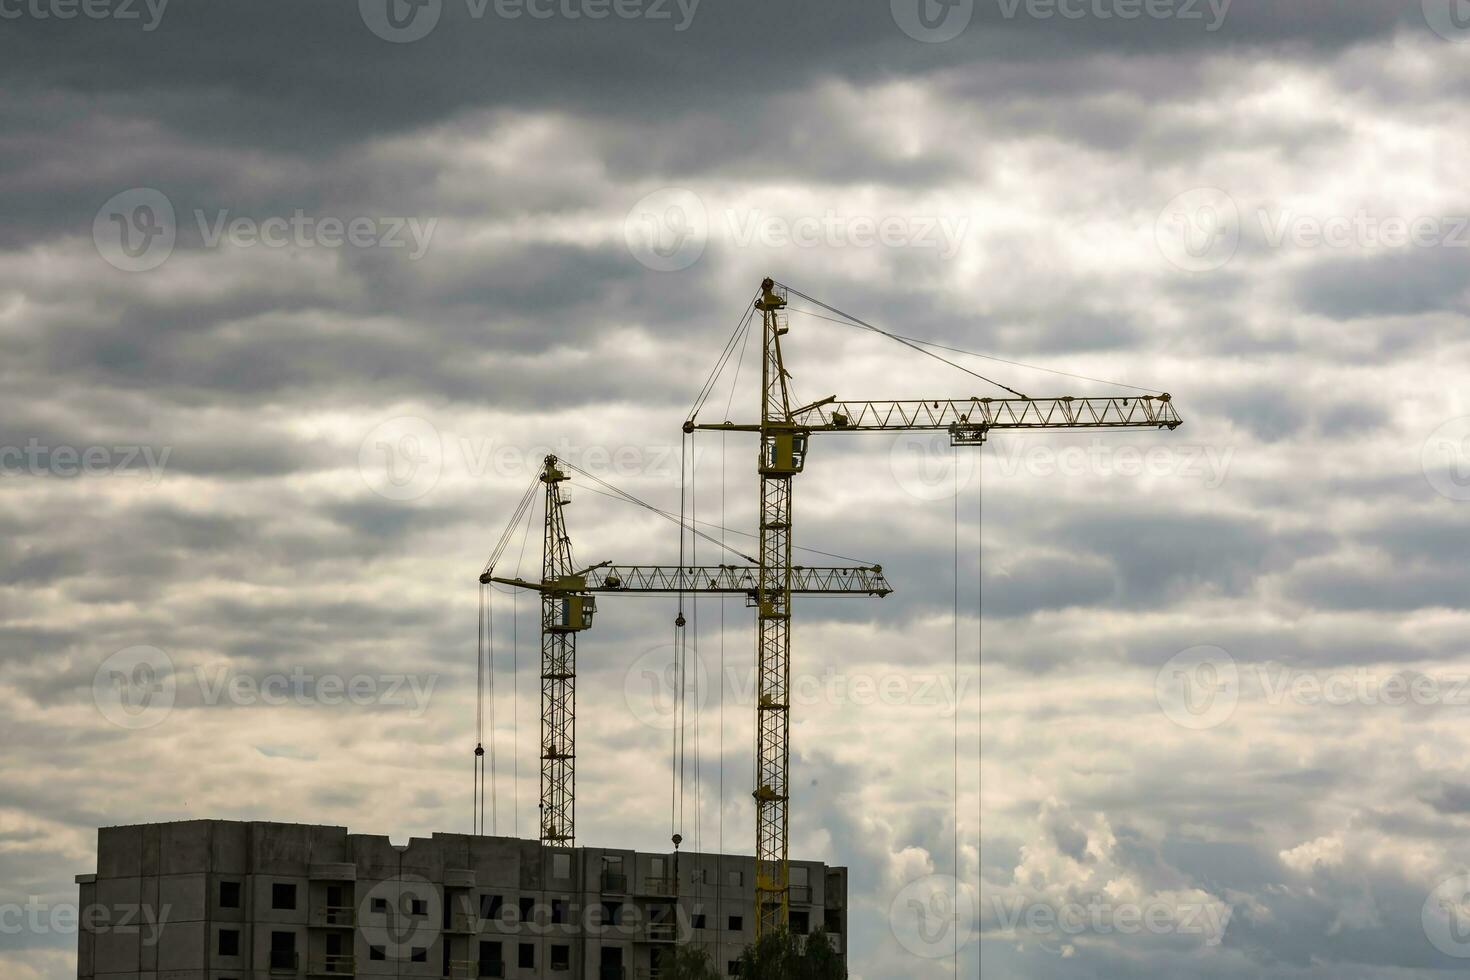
(568, 604)
(784, 433)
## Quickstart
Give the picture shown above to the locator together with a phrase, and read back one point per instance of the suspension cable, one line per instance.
(630, 498)
(731, 530)
(854, 321)
(990, 357)
(709, 383)
(477, 794)
(490, 672)
(521, 508)
(694, 614)
(955, 901)
(515, 713)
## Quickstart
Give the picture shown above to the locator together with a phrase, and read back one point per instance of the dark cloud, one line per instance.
(1291, 524)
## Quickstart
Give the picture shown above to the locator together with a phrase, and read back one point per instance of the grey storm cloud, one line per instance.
(1294, 522)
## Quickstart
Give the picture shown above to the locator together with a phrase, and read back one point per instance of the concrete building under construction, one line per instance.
(229, 900)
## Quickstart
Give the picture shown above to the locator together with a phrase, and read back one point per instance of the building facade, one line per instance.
(229, 900)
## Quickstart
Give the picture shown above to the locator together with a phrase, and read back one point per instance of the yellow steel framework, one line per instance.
(565, 611)
(784, 434)
(568, 604)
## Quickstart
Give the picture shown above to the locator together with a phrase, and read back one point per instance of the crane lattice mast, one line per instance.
(784, 433)
(568, 605)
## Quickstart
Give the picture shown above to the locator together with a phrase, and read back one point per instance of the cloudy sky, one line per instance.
(294, 297)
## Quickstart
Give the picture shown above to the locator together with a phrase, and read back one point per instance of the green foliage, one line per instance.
(782, 956)
(689, 963)
(821, 961)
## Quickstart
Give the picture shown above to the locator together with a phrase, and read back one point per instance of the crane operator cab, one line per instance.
(783, 453)
(572, 611)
